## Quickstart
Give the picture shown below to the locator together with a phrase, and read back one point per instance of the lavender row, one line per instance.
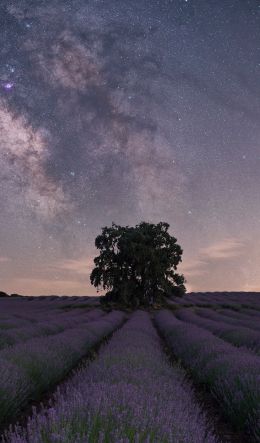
(231, 374)
(24, 307)
(228, 299)
(251, 312)
(245, 314)
(24, 315)
(11, 319)
(31, 368)
(130, 393)
(51, 325)
(238, 336)
(231, 318)
(236, 297)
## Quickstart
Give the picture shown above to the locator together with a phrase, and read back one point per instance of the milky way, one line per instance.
(126, 111)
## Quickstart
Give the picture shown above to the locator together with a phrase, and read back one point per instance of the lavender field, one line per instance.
(184, 372)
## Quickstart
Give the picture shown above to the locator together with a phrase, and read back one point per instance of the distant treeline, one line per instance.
(4, 294)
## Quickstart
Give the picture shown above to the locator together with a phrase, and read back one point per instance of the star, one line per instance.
(11, 68)
(8, 86)
(115, 98)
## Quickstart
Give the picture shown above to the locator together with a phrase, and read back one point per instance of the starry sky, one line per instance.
(124, 111)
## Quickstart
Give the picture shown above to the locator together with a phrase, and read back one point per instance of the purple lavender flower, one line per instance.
(41, 362)
(237, 335)
(130, 393)
(231, 374)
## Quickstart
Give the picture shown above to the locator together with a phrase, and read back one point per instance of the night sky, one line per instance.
(129, 111)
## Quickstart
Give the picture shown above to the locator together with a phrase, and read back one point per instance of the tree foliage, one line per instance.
(137, 264)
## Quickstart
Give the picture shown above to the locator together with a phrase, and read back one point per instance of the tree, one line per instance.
(137, 264)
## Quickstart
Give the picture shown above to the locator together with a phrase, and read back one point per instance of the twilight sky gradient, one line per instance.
(129, 110)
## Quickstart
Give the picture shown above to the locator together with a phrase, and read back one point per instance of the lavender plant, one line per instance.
(231, 374)
(50, 325)
(233, 300)
(230, 317)
(130, 393)
(238, 336)
(30, 368)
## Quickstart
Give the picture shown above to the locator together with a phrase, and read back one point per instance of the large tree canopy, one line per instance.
(137, 264)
